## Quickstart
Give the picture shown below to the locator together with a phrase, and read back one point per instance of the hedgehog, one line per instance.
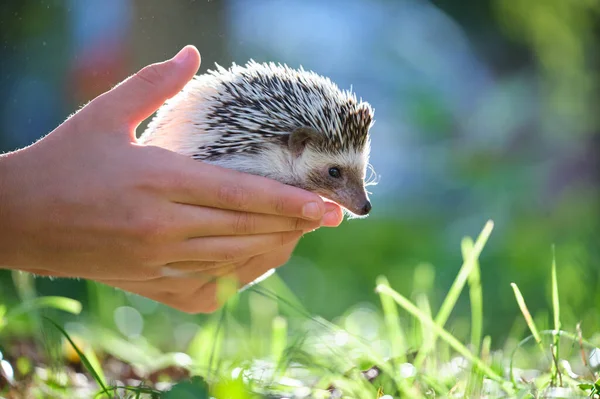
(266, 119)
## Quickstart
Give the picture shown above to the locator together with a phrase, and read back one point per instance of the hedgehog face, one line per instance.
(336, 175)
(340, 179)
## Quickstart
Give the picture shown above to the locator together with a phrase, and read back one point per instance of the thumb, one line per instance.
(140, 95)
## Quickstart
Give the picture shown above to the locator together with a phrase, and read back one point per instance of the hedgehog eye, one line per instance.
(335, 172)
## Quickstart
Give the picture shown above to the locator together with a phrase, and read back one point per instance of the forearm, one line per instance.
(8, 172)
(4, 173)
(5, 166)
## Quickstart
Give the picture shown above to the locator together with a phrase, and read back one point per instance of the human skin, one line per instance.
(88, 201)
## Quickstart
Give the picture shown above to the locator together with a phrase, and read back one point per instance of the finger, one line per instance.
(175, 269)
(180, 271)
(334, 215)
(199, 294)
(229, 248)
(207, 298)
(167, 284)
(229, 189)
(140, 95)
(219, 269)
(196, 293)
(189, 269)
(258, 266)
(206, 303)
(240, 273)
(203, 222)
(124, 271)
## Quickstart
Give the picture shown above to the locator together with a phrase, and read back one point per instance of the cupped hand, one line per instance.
(88, 201)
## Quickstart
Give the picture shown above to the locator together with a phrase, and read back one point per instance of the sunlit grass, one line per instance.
(404, 349)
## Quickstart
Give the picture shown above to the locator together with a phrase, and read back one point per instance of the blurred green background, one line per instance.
(484, 110)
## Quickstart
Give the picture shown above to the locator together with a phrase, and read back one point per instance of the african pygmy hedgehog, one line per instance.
(290, 125)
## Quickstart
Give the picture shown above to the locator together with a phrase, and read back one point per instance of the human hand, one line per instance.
(88, 201)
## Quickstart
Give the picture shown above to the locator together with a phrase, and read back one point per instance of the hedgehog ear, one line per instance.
(300, 138)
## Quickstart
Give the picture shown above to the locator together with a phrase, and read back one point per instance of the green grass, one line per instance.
(402, 349)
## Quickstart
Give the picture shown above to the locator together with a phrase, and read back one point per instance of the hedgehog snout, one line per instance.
(354, 199)
(366, 208)
(362, 210)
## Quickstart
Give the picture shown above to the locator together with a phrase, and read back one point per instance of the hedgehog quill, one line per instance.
(290, 125)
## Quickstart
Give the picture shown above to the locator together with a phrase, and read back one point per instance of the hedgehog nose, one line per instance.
(366, 208)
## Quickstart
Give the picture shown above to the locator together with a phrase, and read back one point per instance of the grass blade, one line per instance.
(396, 336)
(279, 338)
(456, 288)
(475, 295)
(82, 357)
(94, 363)
(341, 356)
(555, 301)
(217, 341)
(526, 314)
(427, 335)
(56, 302)
(556, 312)
(392, 322)
(443, 334)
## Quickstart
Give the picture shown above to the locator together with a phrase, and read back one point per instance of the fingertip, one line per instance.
(332, 206)
(140, 95)
(334, 215)
(188, 56)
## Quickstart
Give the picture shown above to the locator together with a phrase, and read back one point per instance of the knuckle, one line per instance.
(150, 74)
(245, 223)
(278, 205)
(153, 178)
(152, 182)
(226, 254)
(233, 253)
(233, 196)
(280, 240)
(151, 230)
(298, 224)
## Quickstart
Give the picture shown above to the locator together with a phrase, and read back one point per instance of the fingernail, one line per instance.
(311, 211)
(182, 55)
